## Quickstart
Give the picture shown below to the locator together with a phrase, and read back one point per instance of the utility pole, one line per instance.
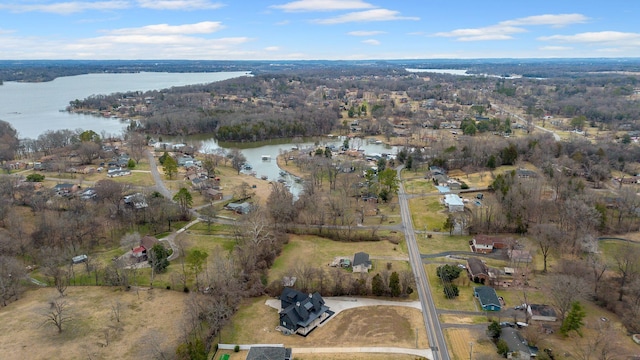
(470, 350)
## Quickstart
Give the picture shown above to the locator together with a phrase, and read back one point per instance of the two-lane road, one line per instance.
(431, 322)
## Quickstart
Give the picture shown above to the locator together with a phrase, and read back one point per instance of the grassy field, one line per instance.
(319, 252)
(465, 301)
(21, 322)
(255, 322)
(427, 212)
(419, 186)
(440, 243)
(460, 341)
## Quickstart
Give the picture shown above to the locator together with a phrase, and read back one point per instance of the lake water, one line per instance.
(440, 71)
(269, 168)
(33, 108)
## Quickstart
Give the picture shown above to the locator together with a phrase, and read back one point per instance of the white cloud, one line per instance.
(623, 38)
(555, 48)
(371, 42)
(367, 16)
(555, 20)
(179, 4)
(495, 32)
(365, 33)
(66, 8)
(272, 48)
(205, 27)
(283, 22)
(505, 29)
(323, 5)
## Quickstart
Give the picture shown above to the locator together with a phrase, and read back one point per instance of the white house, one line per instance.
(453, 202)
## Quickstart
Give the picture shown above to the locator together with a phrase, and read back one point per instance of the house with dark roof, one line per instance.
(518, 346)
(300, 313)
(269, 353)
(478, 271)
(541, 312)
(361, 263)
(240, 208)
(487, 297)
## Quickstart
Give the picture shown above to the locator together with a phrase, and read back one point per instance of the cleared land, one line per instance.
(460, 341)
(394, 326)
(143, 330)
(315, 251)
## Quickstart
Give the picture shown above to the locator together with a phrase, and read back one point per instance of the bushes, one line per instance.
(451, 291)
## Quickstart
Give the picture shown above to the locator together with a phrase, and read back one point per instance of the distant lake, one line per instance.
(33, 108)
(440, 71)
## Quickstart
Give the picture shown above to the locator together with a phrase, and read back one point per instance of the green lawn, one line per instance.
(464, 302)
(419, 186)
(427, 212)
(440, 243)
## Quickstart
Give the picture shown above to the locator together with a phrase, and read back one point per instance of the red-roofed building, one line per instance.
(485, 244)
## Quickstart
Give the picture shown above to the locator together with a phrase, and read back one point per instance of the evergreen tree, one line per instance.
(451, 290)
(494, 329)
(448, 273)
(394, 284)
(170, 167)
(574, 318)
(377, 286)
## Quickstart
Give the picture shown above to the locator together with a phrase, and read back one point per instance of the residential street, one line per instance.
(431, 322)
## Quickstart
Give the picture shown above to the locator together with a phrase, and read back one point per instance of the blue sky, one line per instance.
(317, 29)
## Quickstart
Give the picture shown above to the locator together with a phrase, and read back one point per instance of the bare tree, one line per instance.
(58, 314)
(604, 345)
(565, 289)
(598, 268)
(137, 146)
(12, 274)
(237, 159)
(116, 311)
(547, 236)
(627, 260)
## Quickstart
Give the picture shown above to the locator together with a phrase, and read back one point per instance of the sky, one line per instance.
(317, 29)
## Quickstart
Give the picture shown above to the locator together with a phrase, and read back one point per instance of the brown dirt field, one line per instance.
(459, 319)
(354, 356)
(459, 344)
(366, 326)
(153, 316)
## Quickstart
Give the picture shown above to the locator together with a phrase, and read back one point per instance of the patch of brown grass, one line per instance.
(147, 316)
(255, 322)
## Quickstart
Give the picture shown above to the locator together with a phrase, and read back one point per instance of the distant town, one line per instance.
(410, 212)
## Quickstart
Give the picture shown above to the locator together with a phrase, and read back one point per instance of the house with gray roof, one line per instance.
(361, 262)
(541, 312)
(487, 297)
(518, 346)
(301, 313)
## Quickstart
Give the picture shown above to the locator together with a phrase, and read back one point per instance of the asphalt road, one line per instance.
(429, 313)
